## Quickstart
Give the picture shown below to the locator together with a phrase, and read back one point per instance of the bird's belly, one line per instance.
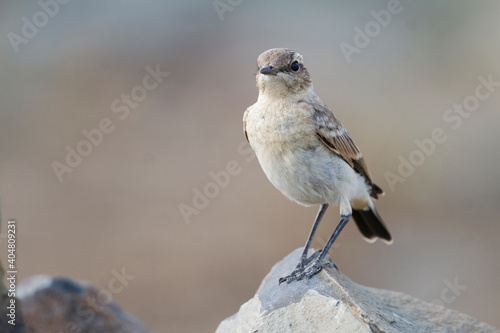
(309, 175)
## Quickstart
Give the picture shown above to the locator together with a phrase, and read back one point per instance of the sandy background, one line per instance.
(119, 208)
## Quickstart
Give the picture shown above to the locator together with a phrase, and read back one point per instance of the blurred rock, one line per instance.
(63, 305)
(330, 302)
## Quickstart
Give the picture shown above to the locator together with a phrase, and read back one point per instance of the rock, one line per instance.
(63, 305)
(330, 302)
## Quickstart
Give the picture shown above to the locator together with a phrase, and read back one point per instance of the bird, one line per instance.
(308, 155)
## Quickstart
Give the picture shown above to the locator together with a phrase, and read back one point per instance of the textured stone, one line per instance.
(330, 302)
(63, 305)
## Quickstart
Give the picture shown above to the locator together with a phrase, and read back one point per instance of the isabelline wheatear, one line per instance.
(307, 153)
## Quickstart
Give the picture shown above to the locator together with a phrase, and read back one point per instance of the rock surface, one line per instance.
(330, 302)
(63, 305)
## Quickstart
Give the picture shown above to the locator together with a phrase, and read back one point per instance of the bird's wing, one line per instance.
(334, 135)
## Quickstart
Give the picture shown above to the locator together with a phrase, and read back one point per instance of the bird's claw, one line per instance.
(317, 267)
(300, 272)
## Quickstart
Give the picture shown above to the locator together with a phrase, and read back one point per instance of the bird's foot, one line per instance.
(317, 267)
(299, 270)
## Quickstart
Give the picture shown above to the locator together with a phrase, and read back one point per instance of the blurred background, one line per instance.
(131, 200)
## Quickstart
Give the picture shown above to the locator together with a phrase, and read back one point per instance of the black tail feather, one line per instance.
(370, 224)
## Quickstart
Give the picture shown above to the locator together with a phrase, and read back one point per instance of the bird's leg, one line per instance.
(318, 264)
(304, 260)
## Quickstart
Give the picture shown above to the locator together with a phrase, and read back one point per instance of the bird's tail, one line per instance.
(371, 225)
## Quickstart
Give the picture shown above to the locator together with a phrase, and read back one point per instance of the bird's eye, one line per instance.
(294, 66)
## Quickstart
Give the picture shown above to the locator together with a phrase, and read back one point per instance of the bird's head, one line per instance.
(281, 72)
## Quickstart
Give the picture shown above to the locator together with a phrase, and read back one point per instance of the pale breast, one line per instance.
(277, 124)
(293, 158)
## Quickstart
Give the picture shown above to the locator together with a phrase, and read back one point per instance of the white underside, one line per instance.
(296, 162)
(314, 176)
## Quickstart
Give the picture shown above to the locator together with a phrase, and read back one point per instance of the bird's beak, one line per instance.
(269, 70)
